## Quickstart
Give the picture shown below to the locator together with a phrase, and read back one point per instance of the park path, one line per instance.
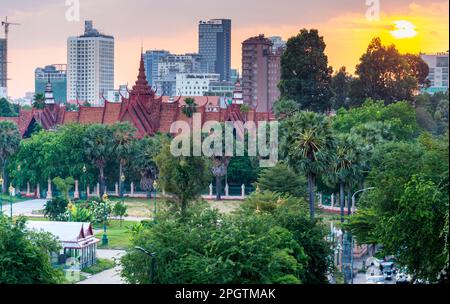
(110, 276)
(25, 208)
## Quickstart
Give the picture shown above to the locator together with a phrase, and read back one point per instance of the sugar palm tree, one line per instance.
(9, 143)
(348, 167)
(99, 147)
(308, 145)
(123, 138)
(39, 101)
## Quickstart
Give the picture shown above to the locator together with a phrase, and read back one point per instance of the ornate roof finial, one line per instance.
(142, 87)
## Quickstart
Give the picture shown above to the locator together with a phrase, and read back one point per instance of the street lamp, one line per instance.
(357, 192)
(155, 188)
(122, 181)
(152, 255)
(19, 169)
(11, 189)
(105, 237)
(1, 200)
(84, 181)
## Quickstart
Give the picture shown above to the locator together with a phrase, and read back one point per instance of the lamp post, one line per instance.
(122, 181)
(84, 181)
(155, 188)
(152, 255)
(357, 192)
(11, 189)
(105, 237)
(19, 169)
(1, 200)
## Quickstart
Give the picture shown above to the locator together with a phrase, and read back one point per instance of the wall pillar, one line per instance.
(88, 191)
(38, 191)
(28, 189)
(98, 189)
(332, 200)
(76, 193)
(210, 190)
(227, 190)
(117, 189)
(243, 191)
(49, 190)
(132, 189)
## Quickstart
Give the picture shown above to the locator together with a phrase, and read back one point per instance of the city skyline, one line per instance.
(336, 22)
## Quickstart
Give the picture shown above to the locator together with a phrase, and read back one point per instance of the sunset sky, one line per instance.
(422, 26)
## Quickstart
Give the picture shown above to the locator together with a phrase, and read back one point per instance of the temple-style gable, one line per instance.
(149, 113)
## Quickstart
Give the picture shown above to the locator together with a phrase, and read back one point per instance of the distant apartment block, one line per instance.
(438, 64)
(195, 84)
(57, 75)
(278, 44)
(90, 65)
(215, 47)
(151, 60)
(261, 72)
(116, 95)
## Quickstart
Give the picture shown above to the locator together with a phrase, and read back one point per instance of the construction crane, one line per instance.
(6, 24)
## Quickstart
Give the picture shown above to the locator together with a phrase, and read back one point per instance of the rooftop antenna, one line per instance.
(6, 24)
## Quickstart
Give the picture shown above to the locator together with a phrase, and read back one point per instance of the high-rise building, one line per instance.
(90, 65)
(261, 73)
(168, 69)
(194, 84)
(3, 66)
(438, 64)
(215, 47)
(57, 74)
(278, 44)
(151, 59)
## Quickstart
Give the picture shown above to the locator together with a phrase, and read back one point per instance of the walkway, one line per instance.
(110, 276)
(25, 208)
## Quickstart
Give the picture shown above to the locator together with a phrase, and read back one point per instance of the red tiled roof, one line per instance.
(90, 115)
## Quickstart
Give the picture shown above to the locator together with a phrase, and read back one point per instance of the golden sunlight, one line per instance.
(404, 29)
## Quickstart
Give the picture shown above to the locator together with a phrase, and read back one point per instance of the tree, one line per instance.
(308, 148)
(123, 137)
(25, 255)
(184, 177)
(284, 108)
(384, 74)
(9, 143)
(64, 186)
(120, 210)
(6, 109)
(55, 209)
(281, 179)
(39, 101)
(348, 167)
(413, 234)
(340, 87)
(145, 152)
(305, 74)
(99, 147)
(190, 108)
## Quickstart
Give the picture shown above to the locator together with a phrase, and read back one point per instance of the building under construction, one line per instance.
(3, 65)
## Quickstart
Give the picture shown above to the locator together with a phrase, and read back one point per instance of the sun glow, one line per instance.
(404, 29)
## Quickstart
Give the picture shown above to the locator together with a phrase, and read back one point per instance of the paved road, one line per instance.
(25, 208)
(111, 276)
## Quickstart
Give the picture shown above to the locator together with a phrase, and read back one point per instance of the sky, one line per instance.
(346, 25)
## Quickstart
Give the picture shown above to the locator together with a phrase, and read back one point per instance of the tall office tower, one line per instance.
(169, 67)
(151, 59)
(261, 73)
(90, 65)
(3, 67)
(215, 47)
(58, 77)
(438, 64)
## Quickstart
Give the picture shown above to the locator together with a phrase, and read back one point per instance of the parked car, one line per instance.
(375, 280)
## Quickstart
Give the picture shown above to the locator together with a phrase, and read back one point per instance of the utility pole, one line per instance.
(4, 76)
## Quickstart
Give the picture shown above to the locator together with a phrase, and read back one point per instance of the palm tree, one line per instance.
(190, 108)
(9, 143)
(123, 137)
(99, 147)
(348, 168)
(309, 144)
(39, 101)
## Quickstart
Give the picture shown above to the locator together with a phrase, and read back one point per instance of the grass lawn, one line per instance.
(100, 265)
(118, 236)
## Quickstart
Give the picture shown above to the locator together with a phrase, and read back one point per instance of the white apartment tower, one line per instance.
(90, 65)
